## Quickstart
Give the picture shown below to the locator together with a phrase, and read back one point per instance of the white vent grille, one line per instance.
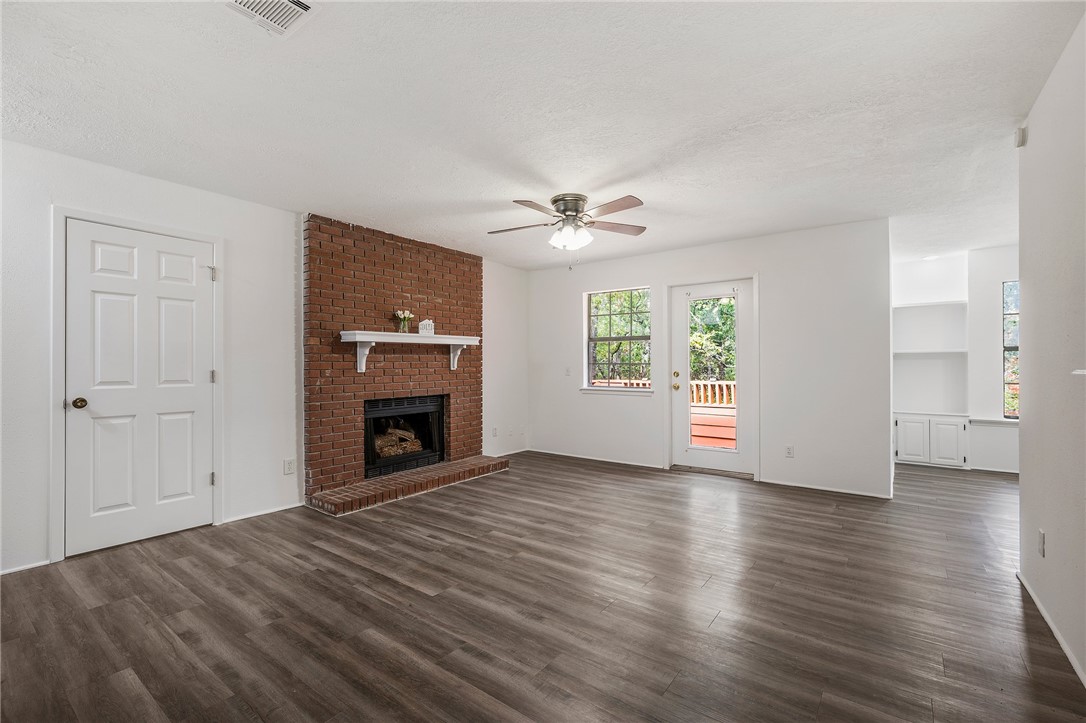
(279, 17)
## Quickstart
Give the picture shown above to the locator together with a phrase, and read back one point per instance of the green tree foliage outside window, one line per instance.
(712, 339)
(1011, 308)
(619, 339)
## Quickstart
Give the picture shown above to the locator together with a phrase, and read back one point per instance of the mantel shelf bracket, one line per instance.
(454, 354)
(363, 350)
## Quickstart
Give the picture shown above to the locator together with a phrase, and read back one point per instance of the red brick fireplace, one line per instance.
(354, 279)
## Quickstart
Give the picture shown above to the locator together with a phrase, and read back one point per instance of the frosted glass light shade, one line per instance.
(571, 238)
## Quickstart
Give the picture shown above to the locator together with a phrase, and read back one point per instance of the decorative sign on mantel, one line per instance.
(364, 342)
(426, 326)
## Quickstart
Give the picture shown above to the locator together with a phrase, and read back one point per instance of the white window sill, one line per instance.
(993, 422)
(627, 391)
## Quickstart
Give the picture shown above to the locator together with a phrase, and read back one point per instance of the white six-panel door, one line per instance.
(139, 353)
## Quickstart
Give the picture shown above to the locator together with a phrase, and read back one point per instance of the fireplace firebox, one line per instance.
(404, 433)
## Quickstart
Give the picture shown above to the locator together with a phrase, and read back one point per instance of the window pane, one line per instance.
(1010, 330)
(620, 325)
(601, 326)
(1010, 401)
(597, 304)
(640, 299)
(1010, 297)
(597, 374)
(620, 302)
(641, 324)
(1010, 366)
(639, 352)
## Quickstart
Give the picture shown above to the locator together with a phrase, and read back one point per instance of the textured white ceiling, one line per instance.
(426, 120)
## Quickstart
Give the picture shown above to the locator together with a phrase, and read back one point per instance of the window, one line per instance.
(618, 339)
(1010, 349)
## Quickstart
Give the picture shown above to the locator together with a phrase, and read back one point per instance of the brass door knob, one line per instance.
(675, 374)
(675, 386)
(79, 402)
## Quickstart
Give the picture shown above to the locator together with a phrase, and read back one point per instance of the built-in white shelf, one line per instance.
(952, 302)
(364, 342)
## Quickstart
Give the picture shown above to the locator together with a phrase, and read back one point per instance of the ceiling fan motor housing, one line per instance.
(569, 204)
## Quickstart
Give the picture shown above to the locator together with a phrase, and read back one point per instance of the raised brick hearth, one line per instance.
(354, 280)
(378, 490)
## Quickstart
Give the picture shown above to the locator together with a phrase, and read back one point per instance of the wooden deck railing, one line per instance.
(628, 383)
(712, 394)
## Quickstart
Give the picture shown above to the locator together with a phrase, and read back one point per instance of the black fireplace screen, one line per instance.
(404, 433)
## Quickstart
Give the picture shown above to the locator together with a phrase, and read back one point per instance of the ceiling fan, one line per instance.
(573, 220)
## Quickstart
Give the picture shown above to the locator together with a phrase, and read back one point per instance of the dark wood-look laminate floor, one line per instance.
(559, 590)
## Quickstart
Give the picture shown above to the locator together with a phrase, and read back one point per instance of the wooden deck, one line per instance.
(712, 426)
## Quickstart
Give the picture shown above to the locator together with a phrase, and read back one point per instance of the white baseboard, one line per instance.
(1055, 631)
(596, 459)
(993, 469)
(827, 489)
(24, 567)
(262, 512)
(506, 454)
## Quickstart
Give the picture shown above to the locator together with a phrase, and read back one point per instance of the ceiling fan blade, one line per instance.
(626, 228)
(540, 207)
(518, 228)
(619, 204)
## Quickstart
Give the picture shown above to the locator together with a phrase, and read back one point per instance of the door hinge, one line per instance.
(895, 452)
(65, 403)
(963, 427)
(212, 479)
(214, 273)
(964, 460)
(895, 422)
(212, 376)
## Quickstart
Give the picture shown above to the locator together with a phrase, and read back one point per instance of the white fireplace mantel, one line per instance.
(364, 341)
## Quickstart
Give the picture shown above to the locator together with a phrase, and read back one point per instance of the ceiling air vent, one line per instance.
(278, 17)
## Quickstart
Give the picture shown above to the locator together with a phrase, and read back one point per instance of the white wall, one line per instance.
(991, 446)
(824, 301)
(260, 277)
(1052, 229)
(929, 282)
(929, 384)
(506, 423)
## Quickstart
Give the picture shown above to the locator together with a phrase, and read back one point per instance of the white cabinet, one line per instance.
(932, 439)
(947, 446)
(912, 439)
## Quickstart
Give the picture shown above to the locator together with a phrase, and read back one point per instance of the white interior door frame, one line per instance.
(57, 361)
(755, 342)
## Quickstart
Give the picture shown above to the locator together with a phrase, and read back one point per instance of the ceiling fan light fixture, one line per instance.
(571, 236)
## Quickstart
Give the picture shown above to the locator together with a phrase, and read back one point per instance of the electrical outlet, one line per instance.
(569, 371)
(789, 451)
(289, 466)
(1041, 543)
(494, 432)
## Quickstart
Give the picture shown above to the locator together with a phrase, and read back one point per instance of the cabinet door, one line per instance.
(948, 442)
(912, 439)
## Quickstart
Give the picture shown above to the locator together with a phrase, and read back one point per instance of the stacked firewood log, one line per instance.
(396, 441)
